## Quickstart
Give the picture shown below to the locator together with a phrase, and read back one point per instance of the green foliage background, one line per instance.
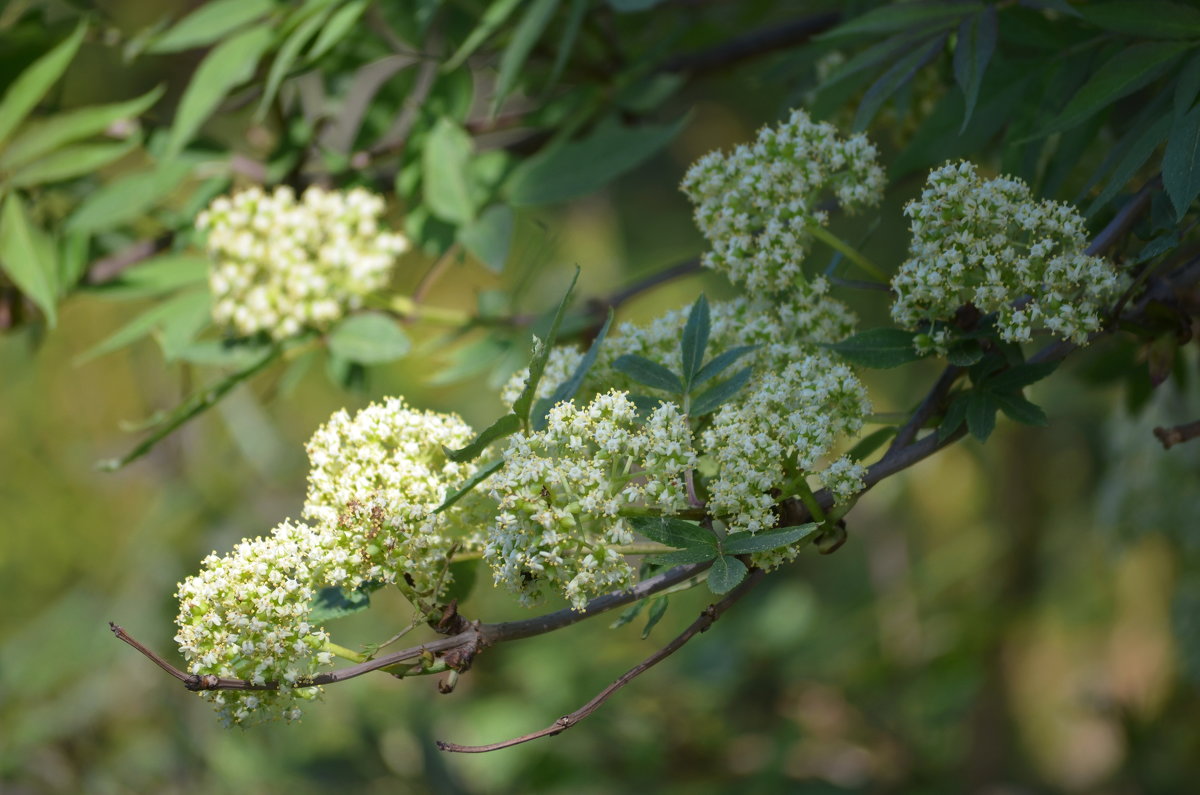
(1020, 614)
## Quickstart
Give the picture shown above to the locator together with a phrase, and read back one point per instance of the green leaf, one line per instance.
(674, 532)
(531, 27)
(227, 65)
(725, 574)
(524, 402)
(694, 342)
(1181, 162)
(489, 237)
(1187, 85)
(894, 79)
(878, 348)
(227, 354)
(445, 159)
(646, 405)
(749, 543)
(902, 16)
(1019, 409)
(584, 166)
(483, 473)
(178, 330)
(32, 84)
(209, 23)
(369, 338)
(145, 323)
(871, 442)
(156, 276)
(658, 609)
(128, 197)
(1155, 19)
(956, 413)
(629, 7)
(629, 614)
(568, 389)
(981, 414)
(964, 353)
(1020, 376)
(713, 398)
(340, 24)
(491, 20)
(45, 135)
(1134, 155)
(972, 52)
(25, 261)
(1121, 75)
(71, 162)
(686, 555)
(566, 41)
(286, 57)
(505, 426)
(719, 363)
(335, 602)
(463, 575)
(648, 372)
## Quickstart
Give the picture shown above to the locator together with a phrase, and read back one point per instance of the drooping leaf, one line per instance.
(766, 540)
(716, 396)
(227, 65)
(648, 373)
(523, 405)
(32, 84)
(694, 343)
(208, 24)
(720, 363)
(629, 614)
(658, 609)
(489, 237)
(71, 162)
(1181, 162)
(674, 532)
(505, 426)
(369, 338)
(1133, 155)
(583, 166)
(1019, 409)
(568, 389)
(878, 348)
(528, 31)
(956, 414)
(483, 473)
(981, 414)
(27, 263)
(972, 53)
(725, 575)
(895, 78)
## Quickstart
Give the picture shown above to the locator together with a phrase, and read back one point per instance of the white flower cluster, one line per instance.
(562, 492)
(758, 205)
(374, 481)
(245, 616)
(991, 244)
(282, 265)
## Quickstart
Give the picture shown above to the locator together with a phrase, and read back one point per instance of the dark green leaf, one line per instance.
(286, 57)
(646, 405)
(630, 6)
(878, 348)
(694, 342)
(29, 265)
(1020, 376)
(330, 603)
(531, 27)
(463, 575)
(369, 338)
(1157, 247)
(648, 373)
(766, 540)
(227, 65)
(713, 398)
(972, 52)
(1019, 409)
(495, 15)
(902, 16)
(505, 426)
(725, 575)
(687, 555)
(1133, 155)
(981, 414)
(209, 23)
(584, 166)
(673, 532)
(566, 41)
(1181, 162)
(446, 156)
(964, 353)
(1155, 19)
(658, 609)
(871, 442)
(489, 237)
(1187, 85)
(894, 79)
(568, 389)
(524, 402)
(484, 472)
(32, 84)
(719, 363)
(956, 412)
(71, 162)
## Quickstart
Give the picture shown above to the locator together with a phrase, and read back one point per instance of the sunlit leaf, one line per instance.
(32, 84)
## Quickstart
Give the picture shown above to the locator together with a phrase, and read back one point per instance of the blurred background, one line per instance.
(1007, 618)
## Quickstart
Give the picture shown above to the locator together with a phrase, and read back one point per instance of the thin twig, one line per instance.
(701, 624)
(1177, 434)
(929, 407)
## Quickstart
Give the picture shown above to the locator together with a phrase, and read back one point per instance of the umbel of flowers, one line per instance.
(281, 265)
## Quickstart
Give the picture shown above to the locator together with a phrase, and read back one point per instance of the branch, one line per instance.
(1178, 434)
(701, 624)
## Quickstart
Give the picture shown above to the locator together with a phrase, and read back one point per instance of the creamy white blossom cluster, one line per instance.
(991, 244)
(281, 265)
(374, 482)
(563, 493)
(245, 615)
(759, 204)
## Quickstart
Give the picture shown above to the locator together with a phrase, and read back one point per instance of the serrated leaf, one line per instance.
(483, 473)
(725, 575)
(489, 237)
(581, 167)
(568, 389)
(956, 413)
(964, 353)
(878, 348)
(505, 426)
(32, 84)
(127, 197)
(145, 323)
(1156, 19)
(208, 24)
(491, 20)
(71, 162)
(340, 24)
(713, 398)
(524, 402)
(766, 540)
(673, 532)
(981, 414)
(1020, 376)
(972, 53)
(26, 262)
(1181, 162)
(658, 609)
(45, 135)
(227, 65)
(721, 362)
(648, 373)
(895, 78)
(902, 16)
(694, 343)
(1119, 76)
(531, 27)
(334, 602)
(369, 338)
(1018, 408)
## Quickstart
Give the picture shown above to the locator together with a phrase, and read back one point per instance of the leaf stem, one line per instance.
(848, 251)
